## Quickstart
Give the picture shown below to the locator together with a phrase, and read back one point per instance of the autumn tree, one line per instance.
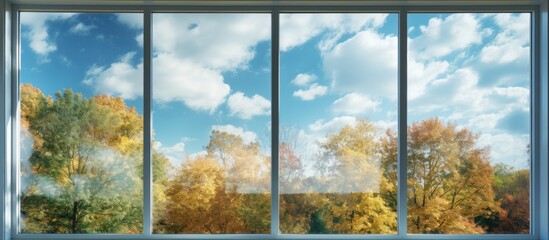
(85, 164)
(511, 190)
(198, 201)
(449, 179)
(222, 191)
(350, 159)
(247, 168)
(355, 213)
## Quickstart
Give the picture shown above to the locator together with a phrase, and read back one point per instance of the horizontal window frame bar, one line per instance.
(276, 2)
(281, 9)
(280, 236)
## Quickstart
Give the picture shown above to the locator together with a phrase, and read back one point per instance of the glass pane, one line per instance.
(338, 118)
(212, 111)
(81, 127)
(469, 123)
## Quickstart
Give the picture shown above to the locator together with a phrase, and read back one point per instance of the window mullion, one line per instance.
(402, 120)
(147, 149)
(275, 60)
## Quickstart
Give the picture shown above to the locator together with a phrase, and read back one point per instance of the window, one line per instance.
(275, 121)
(469, 123)
(81, 124)
(212, 111)
(338, 94)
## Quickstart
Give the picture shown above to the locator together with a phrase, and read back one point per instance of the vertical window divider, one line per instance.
(16, 51)
(147, 124)
(535, 117)
(275, 109)
(402, 186)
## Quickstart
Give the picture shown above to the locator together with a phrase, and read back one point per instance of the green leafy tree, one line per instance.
(84, 164)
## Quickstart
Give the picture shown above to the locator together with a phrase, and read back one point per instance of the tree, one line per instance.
(351, 160)
(84, 166)
(449, 179)
(198, 200)
(223, 191)
(291, 169)
(246, 167)
(512, 191)
(355, 213)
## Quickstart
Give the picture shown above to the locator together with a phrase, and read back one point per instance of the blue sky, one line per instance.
(212, 71)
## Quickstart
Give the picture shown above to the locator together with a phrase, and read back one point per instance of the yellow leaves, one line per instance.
(356, 213)
(449, 180)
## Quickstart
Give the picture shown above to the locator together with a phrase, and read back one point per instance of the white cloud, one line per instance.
(175, 154)
(175, 80)
(246, 107)
(355, 104)
(506, 148)
(456, 90)
(38, 31)
(247, 136)
(506, 59)
(365, 63)
(420, 74)
(311, 93)
(182, 80)
(303, 79)
(119, 79)
(190, 57)
(81, 28)
(332, 126)
(444, 36)
(221, 42)
(139, 39)
(132, 20)
(297, 29)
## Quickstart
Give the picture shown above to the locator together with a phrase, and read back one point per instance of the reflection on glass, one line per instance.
(81, 127)
(469, 123)
(211, 156)
(338, 92)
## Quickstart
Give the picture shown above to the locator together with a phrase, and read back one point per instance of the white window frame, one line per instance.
(10, 80)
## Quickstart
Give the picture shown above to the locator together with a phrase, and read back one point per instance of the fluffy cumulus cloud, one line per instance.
(133, 20)
(81, 28)
(182, 80)
(38, 34)
(175, 153)
(190, 58)
(247, 107)
(296, 29)
(119, 79)
(420, 74)
(441, 37)
(512, 43)
(312, 92)
(507, 148)
(247, 136)
(220, 42)
(367, 63)
(355, 104)
(506, 59)
(303, 79)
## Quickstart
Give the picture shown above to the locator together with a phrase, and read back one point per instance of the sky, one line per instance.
(213, 72)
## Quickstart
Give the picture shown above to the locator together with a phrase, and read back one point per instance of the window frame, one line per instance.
(538, 106)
